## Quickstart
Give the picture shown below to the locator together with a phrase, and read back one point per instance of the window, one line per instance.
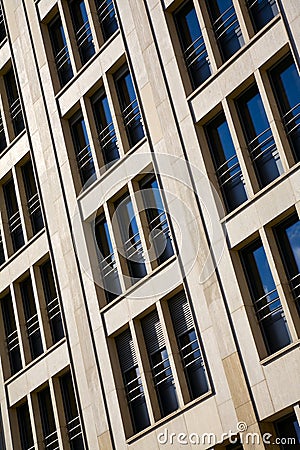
(71, 413)
(129, 106)
(31, 318)
(286, 83)
(188, 345)
(288, 234)
(107, 261)
(2, 25)
(267, 304)
(105, 128)
(11, 334)
(82, 30)
(192, 43)
(2, 254)
(160, 364)
(226, 163)
(3, 143)
(288, 430)
(33, 202)
(25, 427)
(132, 382)
(130, 237)
(261, 12)
(107, 17)
(82, 149)
(60, 51)
(13, 213)
(52, 302)
(48, 421)
(226, 27)
(15, 108)
(159, 232)
(259, 137)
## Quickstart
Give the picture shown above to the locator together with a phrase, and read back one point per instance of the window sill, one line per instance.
(281, 352)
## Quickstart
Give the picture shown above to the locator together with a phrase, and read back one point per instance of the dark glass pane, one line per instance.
(2, 25)
(14, 220)
(15, 107)
(129, 107)
(164, 382)
(192, 43)
(82, 30)
(105, 128)
(107, 260)
(288, 430)
(11, 334)
(71, 413)
(25, 427)
(226, 27)
(52, 302)
(288, 234)
(83, 150)
(130, 238)
(48, 421)
(3, 143)
(259, 137)
(226, 163)
(261, 12)
(2, 254)
(33, 202)
(32, 322)
(107, 17)
(157, 221)
(266, 301)
(60, 51)
(286, 82)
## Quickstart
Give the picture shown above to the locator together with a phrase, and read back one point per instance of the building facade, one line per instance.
(149, 227)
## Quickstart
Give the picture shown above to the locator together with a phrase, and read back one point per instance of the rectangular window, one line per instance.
(25, 429)
(288, 237)
(60, 51)
(132, 381)
(48, 421)
(261, 12)
(226, 163)
(132, 246)
(2, 25)
(226, 27)
(159, 232)
(15, 108)
(286, 84)
(188, 345)
(192, 43)
(2, 254)
(52, 302)
(160, 365)
(11, 334)
(107, 17)
(14, 219)
(71, 413)
(105, 128)
(3, 143)
(82, 148)
(107, 261)
(259, 137)
(31, 318)
(82, 30)
(129, 106)
(267, 304)
(32, 196)
(288, 430)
